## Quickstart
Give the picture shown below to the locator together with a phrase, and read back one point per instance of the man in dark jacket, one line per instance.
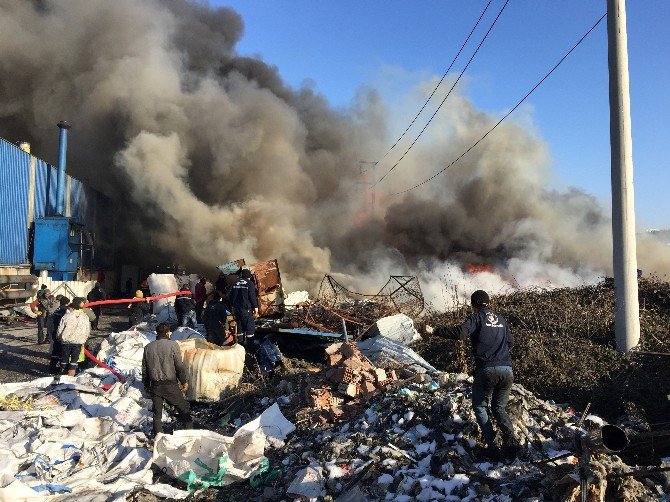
(216, 322)
(44, 306)
(243, 302)
(96, 295)
(491, 341)
(162, 371)
(138, 309)
(56, 343)
(185, 308)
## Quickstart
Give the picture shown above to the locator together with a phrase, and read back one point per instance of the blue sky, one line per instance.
(338, 46)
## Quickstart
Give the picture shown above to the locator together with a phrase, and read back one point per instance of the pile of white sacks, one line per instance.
(86, 435)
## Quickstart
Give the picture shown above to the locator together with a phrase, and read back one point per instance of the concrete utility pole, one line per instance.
(627, 318)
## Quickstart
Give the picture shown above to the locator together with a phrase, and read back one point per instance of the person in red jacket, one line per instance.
(200, 296)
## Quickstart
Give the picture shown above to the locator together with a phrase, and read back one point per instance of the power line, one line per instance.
(445, 98)
(508, 113)
(440, 82)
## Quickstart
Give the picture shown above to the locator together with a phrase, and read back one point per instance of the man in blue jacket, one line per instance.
(491, 341)
(244, 304)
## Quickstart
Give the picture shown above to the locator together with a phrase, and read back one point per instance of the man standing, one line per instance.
(185, 308)
(491, 342)
(73, 331)
(138, 309)
(162, 368)
(95, 295)
(244, 304)
(200, 297)
(216, 322)
(44, 305)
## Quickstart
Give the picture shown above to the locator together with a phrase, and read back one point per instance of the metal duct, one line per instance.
(62, 152)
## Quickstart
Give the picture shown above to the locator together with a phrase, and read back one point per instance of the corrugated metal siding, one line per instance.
(14, 173)
(79, 202)
(46, 179)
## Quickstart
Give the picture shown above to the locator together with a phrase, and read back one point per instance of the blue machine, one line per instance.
(57, 244)
(58, 240)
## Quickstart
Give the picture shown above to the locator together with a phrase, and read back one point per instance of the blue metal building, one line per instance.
(29, 204)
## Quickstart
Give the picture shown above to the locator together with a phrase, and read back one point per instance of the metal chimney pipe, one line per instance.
(62, 152)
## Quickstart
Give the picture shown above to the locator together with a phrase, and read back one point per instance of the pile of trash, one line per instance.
(416, 439)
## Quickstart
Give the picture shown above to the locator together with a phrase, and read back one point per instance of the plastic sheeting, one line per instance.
(399, 328)
(77, 440)
(160, 284)
(384, 351)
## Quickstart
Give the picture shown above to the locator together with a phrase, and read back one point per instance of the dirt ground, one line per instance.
(21, 358)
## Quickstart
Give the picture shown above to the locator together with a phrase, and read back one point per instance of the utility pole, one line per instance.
(627, 317)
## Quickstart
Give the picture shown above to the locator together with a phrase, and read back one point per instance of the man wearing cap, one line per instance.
(244, 304)
(44, 307)
(138, 309)
(491, 341)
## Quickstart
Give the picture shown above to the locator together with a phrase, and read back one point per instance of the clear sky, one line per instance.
(337, 46)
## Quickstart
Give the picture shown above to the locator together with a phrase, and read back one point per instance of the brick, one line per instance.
(392, 375)
(337, 375)
(368, 387)
(350, 389)
(380, 375)
(334, 359)
(354, 363)
(332, 349)
(348, 350)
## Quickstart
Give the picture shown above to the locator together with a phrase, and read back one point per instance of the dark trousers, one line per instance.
(170, 392)
(246, 326)
(493, 385)
(96, 311)
(70, 353)
(41, 332)
(199, 306)
(56, 354)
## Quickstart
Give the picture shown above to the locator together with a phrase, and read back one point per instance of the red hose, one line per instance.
(133, 300)
(103, 365)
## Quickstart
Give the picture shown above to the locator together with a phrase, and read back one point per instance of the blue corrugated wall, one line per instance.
(14, 187)
(85, 204)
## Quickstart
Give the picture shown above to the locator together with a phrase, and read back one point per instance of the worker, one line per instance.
(216, 322)
(95, 295)
(185, 308)
(73, 331)
(244, 304)
(138, 309)
(491, 341)
(40, 293)
(162, 371)
(56, 344)
(44, 305)
(200, 297)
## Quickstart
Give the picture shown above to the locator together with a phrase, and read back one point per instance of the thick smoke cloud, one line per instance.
(212, 157)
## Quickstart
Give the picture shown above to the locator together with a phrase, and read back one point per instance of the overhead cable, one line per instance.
(445, 97)
(508, 113)
(440, 82)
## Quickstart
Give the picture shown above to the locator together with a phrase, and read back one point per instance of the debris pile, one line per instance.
(417, 440)
(336, 305)
(351, 376)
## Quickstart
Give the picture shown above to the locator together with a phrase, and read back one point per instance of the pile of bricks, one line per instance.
(351, 375)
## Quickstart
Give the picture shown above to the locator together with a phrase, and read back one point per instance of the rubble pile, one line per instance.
(565, 350)
(351, 376)
(418, 440)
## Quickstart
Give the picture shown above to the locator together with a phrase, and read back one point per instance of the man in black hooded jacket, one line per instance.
(491, 341)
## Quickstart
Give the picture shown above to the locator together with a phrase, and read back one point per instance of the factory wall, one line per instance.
(28, 191)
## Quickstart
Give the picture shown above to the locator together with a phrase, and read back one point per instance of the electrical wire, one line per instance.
(439, 83)
(445, 98)
(508, 113)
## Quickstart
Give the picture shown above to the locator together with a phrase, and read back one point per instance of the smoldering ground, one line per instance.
(212, 157)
